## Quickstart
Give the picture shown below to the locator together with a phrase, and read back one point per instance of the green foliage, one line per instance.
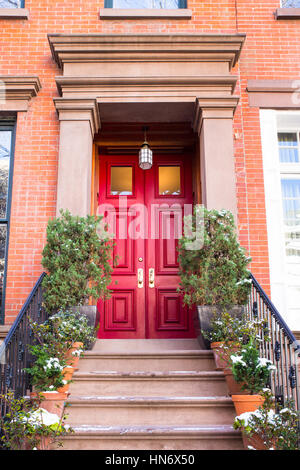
(215, 273)
(54, 339)
(226, 328)
(25, 426)
(77, 262)
(72, 327)
(277, 430)
(47, 338)
(251, 370)
(47, 371)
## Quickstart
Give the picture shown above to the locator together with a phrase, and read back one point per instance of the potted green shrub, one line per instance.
(74, 333)
(252, 373)
(213, 275)
(228, 333)
(77, 261)
(59, 342)
(26, 426)
(267, 429)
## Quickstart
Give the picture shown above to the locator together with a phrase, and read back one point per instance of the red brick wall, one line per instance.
(272, 50)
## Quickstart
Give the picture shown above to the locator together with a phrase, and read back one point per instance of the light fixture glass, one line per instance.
(146, 154)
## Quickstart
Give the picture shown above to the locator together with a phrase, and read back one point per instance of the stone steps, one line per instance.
(170, 383)
(147, 361)
(87, 437)
(142, 410)
(146, 394)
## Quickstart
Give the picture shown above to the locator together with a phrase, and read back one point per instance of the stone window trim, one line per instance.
(14, 14)
(274, 94)
(144, 13)
(17, 91)
(287, 14)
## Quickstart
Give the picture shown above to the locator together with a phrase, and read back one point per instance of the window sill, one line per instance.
(287, 14)
(144, 13)
(14, 14)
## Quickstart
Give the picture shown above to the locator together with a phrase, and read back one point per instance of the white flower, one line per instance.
(246, 417)
(263, 362)
(41, 417)
(287, 410)
(53, 363)
(238, 359)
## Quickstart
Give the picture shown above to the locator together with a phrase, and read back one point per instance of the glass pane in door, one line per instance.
(121, 181)
(169, 180)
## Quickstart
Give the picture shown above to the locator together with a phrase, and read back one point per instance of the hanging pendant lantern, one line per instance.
(146, 154)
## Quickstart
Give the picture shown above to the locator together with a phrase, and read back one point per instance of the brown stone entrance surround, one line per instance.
(139, 79)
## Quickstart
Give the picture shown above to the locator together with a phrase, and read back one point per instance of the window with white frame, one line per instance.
(290, 3)
(11, 3)
(281, 155)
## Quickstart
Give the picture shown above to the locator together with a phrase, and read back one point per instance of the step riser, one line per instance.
(145, 364)
(158, 443)
(156, 388)
(150, 415)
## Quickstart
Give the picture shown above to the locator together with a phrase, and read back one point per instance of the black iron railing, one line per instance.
(278, 345)
(14, 354)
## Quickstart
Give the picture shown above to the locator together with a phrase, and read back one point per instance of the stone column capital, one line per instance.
(217, 107)
(79, 109)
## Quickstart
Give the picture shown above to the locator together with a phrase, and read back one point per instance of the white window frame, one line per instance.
(273, 172)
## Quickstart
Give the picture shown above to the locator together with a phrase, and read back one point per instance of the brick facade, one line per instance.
(272, 51)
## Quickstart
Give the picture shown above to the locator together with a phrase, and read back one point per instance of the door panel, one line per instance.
(168, 188)
(122, 316)
(147, 226)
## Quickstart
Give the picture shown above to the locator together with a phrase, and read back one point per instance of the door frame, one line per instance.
(165, 159)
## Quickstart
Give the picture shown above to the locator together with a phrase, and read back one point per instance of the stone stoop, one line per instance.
(149, 394)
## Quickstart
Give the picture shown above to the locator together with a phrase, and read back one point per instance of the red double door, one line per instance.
(144, 210)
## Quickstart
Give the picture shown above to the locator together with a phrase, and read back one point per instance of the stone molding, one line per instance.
(287, 14)
(14, 14)
(274, 94)
(146, 47)
(79, 109)
(140, 93)
(17, 91)
(144, 13)
(171, 85)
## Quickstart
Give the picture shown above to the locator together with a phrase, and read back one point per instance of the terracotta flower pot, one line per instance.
(70, 358)
(67, 374)
(53, 402)
(222, 355)
(246, 403)
(234, 388)
(254, 441)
